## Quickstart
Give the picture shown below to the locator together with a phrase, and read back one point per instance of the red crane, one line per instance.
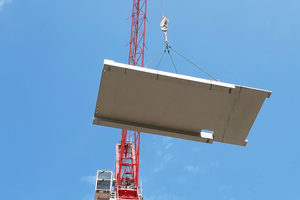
(126, 181)
(128, 151)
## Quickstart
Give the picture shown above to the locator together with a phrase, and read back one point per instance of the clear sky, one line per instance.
(51, 56)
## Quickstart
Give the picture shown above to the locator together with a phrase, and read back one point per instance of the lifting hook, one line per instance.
(164, 27)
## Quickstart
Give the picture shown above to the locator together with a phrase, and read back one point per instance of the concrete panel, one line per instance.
(173, 105)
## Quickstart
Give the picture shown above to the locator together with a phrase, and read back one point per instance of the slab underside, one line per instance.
(173, 105)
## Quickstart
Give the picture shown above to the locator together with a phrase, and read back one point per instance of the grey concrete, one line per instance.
(173, 105)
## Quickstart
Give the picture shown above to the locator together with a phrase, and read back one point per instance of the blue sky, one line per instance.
(51, 56)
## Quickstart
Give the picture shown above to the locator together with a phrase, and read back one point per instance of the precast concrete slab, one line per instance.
(168, 104)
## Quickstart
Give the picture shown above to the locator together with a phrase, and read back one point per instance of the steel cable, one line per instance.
(194, 64)
(173, 61)
(155, 57)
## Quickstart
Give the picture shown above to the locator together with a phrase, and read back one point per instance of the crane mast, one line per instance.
(128, 151)
(125, 184)
(137, 36)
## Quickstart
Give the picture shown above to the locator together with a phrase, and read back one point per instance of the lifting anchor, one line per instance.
(164, 27)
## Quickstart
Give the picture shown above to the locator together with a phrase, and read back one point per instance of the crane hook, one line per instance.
(164, 27)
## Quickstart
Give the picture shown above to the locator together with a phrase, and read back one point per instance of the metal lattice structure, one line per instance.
(137, 37)
(128, 151)
(127, 166)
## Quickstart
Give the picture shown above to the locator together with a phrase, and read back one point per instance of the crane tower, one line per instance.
(125, 184)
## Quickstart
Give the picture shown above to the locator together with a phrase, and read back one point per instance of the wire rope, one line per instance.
(160, 59)
(162, 8)
(166, 48)
(173, 62)
(194, 64)
(155, 57)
